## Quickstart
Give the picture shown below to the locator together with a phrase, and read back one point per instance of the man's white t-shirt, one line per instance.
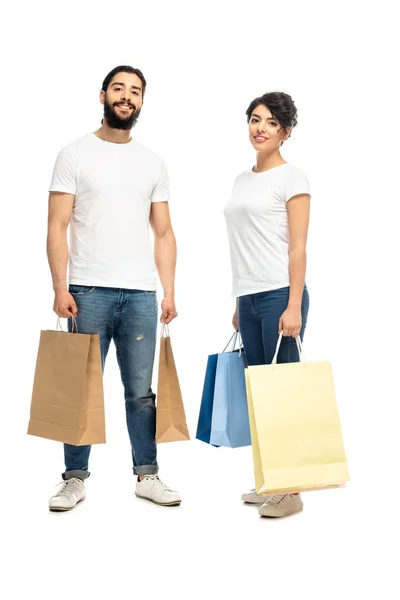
(258, 231)
(114, 186)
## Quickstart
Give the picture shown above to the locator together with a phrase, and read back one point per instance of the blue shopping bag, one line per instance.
(207, 400)
(230, 418)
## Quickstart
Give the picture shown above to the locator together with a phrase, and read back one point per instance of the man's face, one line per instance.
(122, 101)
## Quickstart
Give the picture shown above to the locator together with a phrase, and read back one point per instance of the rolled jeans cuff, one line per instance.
(146, 470)
(75, 473)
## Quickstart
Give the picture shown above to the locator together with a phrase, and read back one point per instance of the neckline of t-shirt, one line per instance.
(268, 170)
(131, 141)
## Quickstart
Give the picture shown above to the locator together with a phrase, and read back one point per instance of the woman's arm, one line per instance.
(298, 209)
(235, 318)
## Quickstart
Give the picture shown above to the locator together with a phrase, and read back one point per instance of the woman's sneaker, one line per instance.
(281, 505)
(70, 493)
(253, 498)
(152, 488)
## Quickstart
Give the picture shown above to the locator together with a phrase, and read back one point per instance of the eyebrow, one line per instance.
(135, 87)
(269, 118)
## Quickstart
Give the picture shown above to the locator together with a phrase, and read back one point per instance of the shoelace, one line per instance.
(277, 498)
(161, 484)
(68, 487)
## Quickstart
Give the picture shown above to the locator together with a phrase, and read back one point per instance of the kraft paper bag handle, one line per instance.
(278, 345)
(74, 325)
(236, 336)
(165, 330)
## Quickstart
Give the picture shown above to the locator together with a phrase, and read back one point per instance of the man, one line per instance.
(111, 187)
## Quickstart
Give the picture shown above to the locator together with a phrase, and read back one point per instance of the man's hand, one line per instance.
(168, 310)
(64, 305)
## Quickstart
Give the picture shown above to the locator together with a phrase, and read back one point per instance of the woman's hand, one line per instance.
(235, 320)
(290, 322)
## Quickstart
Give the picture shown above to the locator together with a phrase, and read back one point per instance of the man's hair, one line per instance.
(123, 69)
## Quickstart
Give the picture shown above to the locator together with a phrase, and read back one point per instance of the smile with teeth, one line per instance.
(260, 138)
(124, 106)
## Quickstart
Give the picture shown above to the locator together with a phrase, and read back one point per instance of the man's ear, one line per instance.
(102, 96)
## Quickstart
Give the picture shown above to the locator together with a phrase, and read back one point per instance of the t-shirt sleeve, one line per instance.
(64, 173)
(236, 180)
(161, 187)
(296, 184)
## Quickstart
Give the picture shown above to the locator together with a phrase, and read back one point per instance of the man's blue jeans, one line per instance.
(129, 317)
(259, 316)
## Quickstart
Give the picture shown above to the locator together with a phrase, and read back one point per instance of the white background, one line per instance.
(204, 63)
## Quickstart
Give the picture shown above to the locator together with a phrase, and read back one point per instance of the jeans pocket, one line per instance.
(80, 290)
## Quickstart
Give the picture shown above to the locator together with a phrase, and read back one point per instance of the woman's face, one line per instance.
(265, 132)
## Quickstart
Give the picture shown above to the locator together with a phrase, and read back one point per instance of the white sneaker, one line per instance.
(253, 498)
(281, 505)
(70, 493)
(152, 488)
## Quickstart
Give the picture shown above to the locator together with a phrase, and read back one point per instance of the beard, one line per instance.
(116, 122)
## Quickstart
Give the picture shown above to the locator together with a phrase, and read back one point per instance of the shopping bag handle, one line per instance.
(278, 345)
(74, 325)
(237, 336)
(165, 330)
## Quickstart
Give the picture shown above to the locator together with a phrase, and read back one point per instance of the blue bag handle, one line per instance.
(236, 335)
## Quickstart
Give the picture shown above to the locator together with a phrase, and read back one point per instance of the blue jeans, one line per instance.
(129, 317)
(259, 316)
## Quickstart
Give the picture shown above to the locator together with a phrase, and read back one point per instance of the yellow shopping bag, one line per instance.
(295, 428)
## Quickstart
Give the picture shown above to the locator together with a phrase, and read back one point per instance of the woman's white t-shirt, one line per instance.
(258, 231)
(114, 186)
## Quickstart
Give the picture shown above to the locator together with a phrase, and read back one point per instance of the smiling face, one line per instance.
(265, 132)
(122, 101)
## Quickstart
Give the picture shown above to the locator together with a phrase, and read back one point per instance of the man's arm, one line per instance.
(165, 256)
(59, 216)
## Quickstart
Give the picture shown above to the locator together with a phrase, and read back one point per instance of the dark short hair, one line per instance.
(281, 106)
(123, 69)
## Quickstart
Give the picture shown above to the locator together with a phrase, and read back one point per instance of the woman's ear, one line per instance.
(287, 134)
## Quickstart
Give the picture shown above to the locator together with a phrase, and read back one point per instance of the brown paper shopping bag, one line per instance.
(295, 428)
(67, 399)
(171, 420)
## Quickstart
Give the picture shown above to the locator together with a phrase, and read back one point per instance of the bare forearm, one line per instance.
(297, 275)
(165, 259)
(57, 254)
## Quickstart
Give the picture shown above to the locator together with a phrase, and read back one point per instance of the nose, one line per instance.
(124, 98)
(261, 127)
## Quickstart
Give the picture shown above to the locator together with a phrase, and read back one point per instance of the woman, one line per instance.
(267, 220)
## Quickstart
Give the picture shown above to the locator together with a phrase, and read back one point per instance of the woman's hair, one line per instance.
(123, 69)
(281, 107)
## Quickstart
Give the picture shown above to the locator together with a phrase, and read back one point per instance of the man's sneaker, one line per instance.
(152, 488)
(70, 493)
(281, 505)
(253, 498)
